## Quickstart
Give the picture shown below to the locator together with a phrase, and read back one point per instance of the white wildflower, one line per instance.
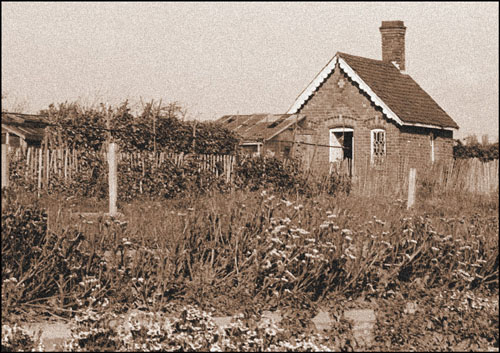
(278, 229)
(386, 243)
(276, 240)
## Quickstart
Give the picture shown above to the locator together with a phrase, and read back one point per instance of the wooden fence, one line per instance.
(471, 175)
(456, 175)
(43, 164)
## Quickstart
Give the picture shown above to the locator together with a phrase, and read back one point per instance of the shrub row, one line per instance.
(483, 152)
(154, 129)
(169, 180)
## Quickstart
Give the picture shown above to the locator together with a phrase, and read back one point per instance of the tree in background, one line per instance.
(158, 127)
(485, 151)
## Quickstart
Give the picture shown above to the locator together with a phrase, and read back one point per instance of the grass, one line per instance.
(256, 251)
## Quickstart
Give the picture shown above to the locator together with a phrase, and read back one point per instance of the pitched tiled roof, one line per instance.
(399, 92)
(28, 126)
(399, 96)
(259, 127)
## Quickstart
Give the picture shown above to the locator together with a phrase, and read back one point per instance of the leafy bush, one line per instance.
(190, 330)
(15, 339)
(159, 129)
(141, 176)
(40, 265)
(261, 172)
(475, 150)
(438, 320)
(24, 230)
(165, 180)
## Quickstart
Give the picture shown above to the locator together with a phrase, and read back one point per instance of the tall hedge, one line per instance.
(159, 128)
(485, 152)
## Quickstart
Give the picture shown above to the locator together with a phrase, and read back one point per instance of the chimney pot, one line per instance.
(393, 42)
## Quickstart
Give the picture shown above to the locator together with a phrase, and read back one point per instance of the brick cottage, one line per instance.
(358, 112)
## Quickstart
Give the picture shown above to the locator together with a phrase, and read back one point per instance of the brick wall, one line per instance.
(416, 144)
(393, 42)
(338, 102)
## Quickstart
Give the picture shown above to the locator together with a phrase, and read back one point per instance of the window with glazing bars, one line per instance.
(377, 146)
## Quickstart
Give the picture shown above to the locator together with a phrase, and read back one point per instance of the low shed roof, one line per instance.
(27, 126)
(259, 127)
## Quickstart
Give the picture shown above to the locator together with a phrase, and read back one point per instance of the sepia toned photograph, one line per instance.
(250, 176)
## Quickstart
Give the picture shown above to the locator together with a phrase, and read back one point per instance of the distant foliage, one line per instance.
(141, 176)
(262, 172)
(167, 180)
(485, 152)
(90, 181)
(159, 128)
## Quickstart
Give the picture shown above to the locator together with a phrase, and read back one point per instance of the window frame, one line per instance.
(372, 146)
(332, 148)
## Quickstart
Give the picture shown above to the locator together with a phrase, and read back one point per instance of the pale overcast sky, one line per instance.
(228, 58)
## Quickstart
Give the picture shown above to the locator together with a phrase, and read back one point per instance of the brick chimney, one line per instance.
(393, 43)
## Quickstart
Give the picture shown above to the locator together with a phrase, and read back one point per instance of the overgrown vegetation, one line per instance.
(146, 178)
(192, 245)
(156, 128)
(260, 251)
(485, 152)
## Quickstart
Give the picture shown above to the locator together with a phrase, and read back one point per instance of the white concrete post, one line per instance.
(5, 165)
(411, 187)
(112, 178)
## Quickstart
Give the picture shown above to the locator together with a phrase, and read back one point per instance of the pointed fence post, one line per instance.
(112, 178)
(411, 187)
